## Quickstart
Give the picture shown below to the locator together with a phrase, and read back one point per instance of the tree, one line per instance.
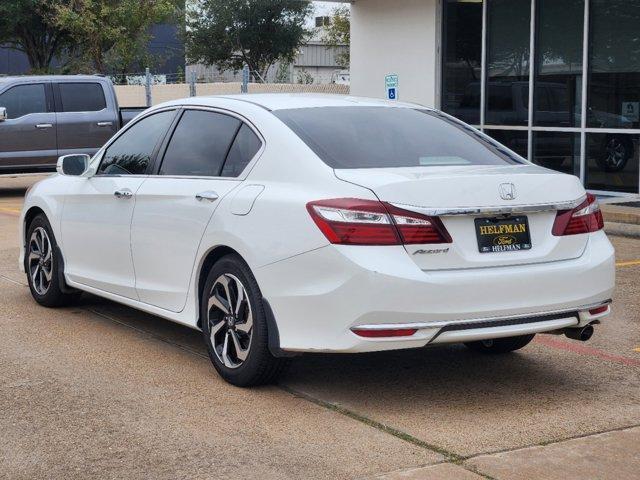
(338, 34)
(231, 33)
(30, 27)
(112, 35)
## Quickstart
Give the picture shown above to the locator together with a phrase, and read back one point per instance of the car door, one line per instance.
(28, 135)
(85, 119)
(201, 164)
(96, 220)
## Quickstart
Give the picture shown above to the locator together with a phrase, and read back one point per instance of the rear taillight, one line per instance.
(350, 221)
(585, 218)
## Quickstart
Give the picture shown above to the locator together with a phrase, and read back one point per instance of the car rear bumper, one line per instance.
(320, 297)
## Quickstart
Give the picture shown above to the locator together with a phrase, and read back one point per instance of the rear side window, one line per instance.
(386, 137)
(81, 97)
(244, 148)
(22, 100)
(199, 144)
(131, 152)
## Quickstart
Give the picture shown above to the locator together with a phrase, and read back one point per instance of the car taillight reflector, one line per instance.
(406, 332)
(350, 221)
(599, 310)
(585, 218)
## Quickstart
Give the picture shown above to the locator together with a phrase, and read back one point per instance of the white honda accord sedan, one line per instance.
(279, 224)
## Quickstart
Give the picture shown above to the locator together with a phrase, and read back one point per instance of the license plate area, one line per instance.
(497, 235)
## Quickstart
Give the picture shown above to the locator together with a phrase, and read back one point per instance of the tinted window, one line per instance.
(81, 97)
(199, 144)
(131, 153)
(369, 137)
(244, 148)
(24, 99)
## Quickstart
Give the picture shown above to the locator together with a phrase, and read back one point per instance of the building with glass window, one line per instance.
(558, 81)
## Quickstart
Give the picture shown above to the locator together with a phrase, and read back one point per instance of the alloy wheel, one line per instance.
(616, 154)
(230, 320)
(40, 261)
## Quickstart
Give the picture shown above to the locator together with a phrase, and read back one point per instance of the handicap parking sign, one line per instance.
(391, 84)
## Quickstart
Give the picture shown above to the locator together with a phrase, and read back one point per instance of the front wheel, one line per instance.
(234, 325)
(500, 345)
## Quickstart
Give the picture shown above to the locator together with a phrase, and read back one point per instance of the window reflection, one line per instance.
(508, 62)
(558, 81)
(461, 74)
(516, 140)
(612, 162)
(557, 150)
(614, 67)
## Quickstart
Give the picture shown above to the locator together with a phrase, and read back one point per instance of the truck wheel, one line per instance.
(234, 325)
(615, 154)
(500, 345)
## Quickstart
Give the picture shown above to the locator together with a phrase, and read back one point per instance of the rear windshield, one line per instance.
(382, 137)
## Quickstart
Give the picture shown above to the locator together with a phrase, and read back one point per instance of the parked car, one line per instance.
(280, 224)
(44, 117)
(509, 105)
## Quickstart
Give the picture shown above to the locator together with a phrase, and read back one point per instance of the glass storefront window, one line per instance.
(613, 160)
(508, 38)
(558, 80)
(557, 150)
(516, 140)
(461, 66)
(614, 64)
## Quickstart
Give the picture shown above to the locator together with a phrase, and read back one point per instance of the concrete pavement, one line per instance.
(103, 391)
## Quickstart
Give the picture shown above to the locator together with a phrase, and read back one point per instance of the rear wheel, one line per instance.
(500, 345)
(234, 325)
(43, 266)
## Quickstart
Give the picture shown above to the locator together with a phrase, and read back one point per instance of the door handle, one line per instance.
(125, 193)
(44, 125)
(104, 124)
(207, 196)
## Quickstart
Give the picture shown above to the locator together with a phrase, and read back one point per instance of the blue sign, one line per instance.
(391, 84)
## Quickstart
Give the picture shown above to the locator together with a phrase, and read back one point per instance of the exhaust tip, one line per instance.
(582, 334)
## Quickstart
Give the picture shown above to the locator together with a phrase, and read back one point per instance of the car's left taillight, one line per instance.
(350, 221)
(585, 218)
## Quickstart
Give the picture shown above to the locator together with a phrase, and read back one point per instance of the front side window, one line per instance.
(382, 137)
(131, 152)
(81, 97)
(22, 100)
(200, 143)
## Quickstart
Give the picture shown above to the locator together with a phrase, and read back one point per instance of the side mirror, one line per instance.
(74, 164)
(3, 114)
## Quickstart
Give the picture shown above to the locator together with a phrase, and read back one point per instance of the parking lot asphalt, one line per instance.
(100, 390)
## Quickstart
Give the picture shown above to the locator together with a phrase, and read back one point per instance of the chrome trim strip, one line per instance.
(425, 325)
(477, 211)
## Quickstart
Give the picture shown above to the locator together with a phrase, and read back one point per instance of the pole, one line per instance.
(147, 86)
(192, 84)
(245, 79)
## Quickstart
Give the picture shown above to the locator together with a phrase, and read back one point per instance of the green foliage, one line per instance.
(112, 35)
(304, 77)
(30, 26)
(338, 33)
(230, 33)
(283, 75)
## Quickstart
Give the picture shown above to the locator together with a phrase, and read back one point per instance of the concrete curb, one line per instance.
(622, 229)
(621, 214)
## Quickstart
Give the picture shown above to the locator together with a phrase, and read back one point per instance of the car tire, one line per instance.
(500, 345)
(43, 266)
(237, 337)
(616, 152)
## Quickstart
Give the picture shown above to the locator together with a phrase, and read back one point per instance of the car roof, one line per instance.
(49, 78)
(285, 101)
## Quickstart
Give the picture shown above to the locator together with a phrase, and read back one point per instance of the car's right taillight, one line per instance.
(585, 218)
(351, 221)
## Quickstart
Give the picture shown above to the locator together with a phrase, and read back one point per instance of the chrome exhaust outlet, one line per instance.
(583, 334)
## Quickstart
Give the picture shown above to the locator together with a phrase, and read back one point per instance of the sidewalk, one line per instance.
(622, 217)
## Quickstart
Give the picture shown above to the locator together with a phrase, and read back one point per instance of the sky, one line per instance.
(323, 8)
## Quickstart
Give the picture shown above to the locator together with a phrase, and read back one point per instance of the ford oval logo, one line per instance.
(507, 191)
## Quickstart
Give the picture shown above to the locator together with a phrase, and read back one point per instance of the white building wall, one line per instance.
(395, 37)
